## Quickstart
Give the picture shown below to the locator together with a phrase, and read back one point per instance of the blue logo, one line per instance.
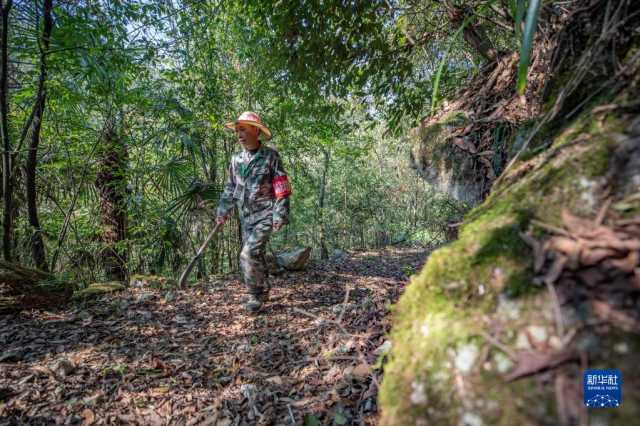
(602, 388)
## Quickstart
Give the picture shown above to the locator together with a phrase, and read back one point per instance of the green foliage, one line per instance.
(383, 52)
(518, 9)
(527, 43)
(332, 78)
(443, 63)
(311, 420)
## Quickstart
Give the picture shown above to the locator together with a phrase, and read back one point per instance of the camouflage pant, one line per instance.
(252, 263)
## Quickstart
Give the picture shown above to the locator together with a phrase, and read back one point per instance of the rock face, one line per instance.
(444, 165)
(338, 256)
(464, 147)
(494, 328)
(476, 322)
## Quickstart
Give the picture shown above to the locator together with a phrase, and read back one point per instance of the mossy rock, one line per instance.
(450, 168)
(30, 288)
(442, 369)
(98, 289)
(152, 281)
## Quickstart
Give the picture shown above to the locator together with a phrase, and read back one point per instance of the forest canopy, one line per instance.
(114, 113)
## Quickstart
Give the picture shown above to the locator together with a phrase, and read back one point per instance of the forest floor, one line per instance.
(195, 357)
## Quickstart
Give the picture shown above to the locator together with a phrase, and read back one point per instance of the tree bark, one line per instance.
(111, 184)
(324, 254)
(7, 189)
(474, 35)
(37, 244)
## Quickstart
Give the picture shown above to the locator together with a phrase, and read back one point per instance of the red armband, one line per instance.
(281, 186)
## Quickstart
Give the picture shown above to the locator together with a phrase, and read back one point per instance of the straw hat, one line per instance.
(252, 119)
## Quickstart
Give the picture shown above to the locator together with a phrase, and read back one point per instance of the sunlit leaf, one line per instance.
(527, 44)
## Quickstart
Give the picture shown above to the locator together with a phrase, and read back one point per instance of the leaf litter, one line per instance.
(595, 260)
(195, 357)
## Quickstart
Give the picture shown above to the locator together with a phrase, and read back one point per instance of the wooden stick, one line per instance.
(187, 271)
(603, 211)
(551, 228)
(496, 343)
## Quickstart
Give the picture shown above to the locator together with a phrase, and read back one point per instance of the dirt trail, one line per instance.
(195, 357)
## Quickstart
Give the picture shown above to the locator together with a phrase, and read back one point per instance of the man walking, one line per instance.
(257, 185)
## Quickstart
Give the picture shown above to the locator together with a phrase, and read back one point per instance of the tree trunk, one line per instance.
(324, 254)
(37, 244)
(477, 38)
(7, 189)
(474, 35)
(111, 184)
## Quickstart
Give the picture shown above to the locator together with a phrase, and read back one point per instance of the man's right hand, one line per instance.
(220, 220)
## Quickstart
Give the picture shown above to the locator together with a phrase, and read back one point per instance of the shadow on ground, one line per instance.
(186, 357)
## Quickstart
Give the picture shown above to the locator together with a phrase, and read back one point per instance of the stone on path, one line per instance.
(98, 289)
(294, 260)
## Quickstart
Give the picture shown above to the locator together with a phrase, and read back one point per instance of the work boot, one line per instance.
(254, 304)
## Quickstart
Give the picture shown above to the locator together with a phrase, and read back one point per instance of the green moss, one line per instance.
(431, 315)
(559, 177)
(460, 284)
(430, 334)
(629, 206)
(97, 289)
(582, 127)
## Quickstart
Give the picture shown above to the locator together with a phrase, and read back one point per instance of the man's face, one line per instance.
(248, 136)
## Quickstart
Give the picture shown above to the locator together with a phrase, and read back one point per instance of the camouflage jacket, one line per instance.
(257, 185)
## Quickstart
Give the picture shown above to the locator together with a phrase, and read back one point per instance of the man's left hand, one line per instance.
(277, 225)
